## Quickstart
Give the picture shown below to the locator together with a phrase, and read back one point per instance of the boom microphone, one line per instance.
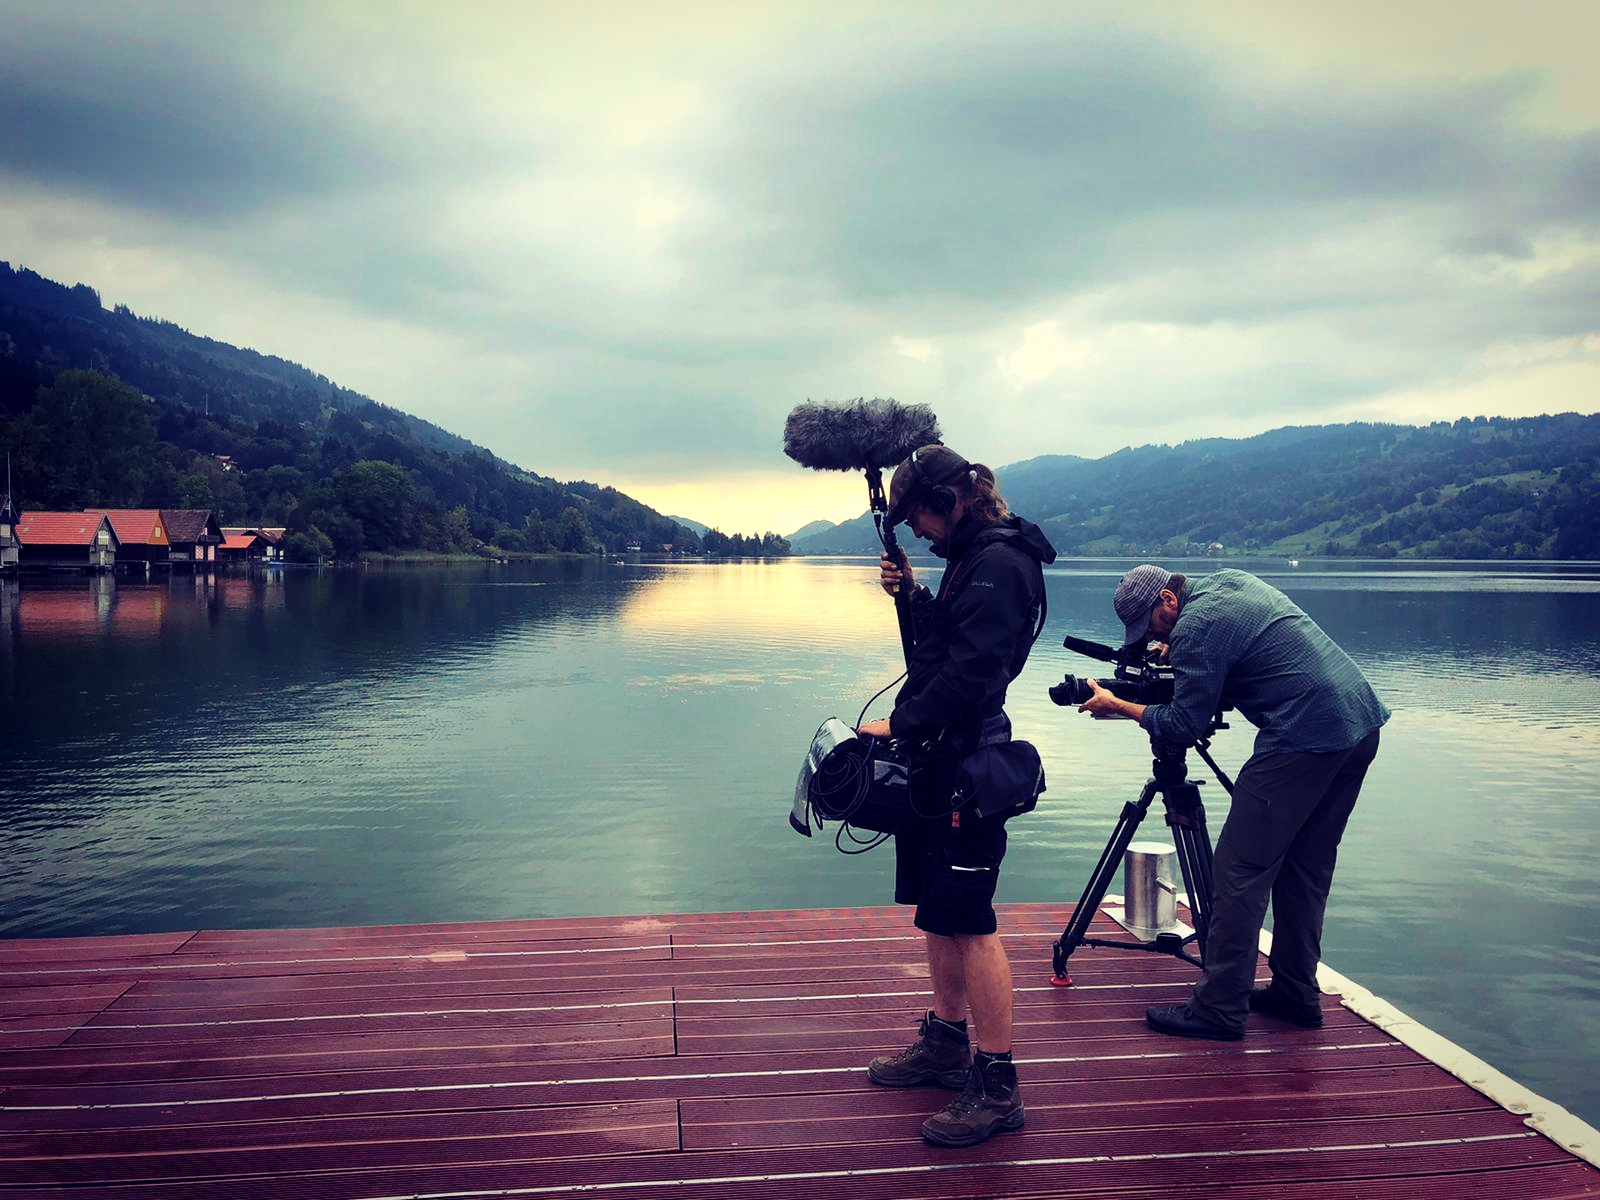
(858, 434)
(864, 435)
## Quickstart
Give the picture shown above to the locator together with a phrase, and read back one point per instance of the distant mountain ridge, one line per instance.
(812, 528)
(1483, 487)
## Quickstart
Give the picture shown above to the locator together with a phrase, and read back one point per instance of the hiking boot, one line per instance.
(941, 1054)
(1274, 1003)
(991, 1103)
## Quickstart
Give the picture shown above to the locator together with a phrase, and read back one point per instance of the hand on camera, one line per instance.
(1102, 705)
(892, 574)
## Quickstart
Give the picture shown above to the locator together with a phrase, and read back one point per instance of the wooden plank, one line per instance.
(368, 1144)
(263, 996)
(40, 1030)
(35, 1001)
(255, 1056)
(111, 1029)
(748, 1123)
(25, 952)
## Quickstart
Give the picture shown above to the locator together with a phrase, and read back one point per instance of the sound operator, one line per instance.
(972, 638)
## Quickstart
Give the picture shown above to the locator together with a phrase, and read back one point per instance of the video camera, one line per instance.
(1138, 677)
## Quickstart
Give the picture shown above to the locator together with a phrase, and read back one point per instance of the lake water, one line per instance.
(581, 737)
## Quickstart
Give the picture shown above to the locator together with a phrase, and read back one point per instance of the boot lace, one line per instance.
(972, 1096)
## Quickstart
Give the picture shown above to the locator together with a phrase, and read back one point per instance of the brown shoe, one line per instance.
(941, 1054)
(991, 1103)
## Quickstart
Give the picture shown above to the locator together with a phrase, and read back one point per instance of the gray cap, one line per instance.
(1136, 596)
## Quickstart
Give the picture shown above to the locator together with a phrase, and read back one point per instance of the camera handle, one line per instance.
(1186, 817)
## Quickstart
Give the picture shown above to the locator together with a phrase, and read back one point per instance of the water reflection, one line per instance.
(578, 737)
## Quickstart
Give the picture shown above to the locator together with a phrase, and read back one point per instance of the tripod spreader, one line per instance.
(1186, 817)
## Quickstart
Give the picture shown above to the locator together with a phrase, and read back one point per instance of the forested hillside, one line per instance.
(1480, 488)
(104, 407)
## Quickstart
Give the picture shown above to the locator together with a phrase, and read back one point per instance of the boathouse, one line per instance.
(8, 535)
(242, 546)
(142, 537)
(193, 536)
(63, 541)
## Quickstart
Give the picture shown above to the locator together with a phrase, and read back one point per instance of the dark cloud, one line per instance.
(167, 127)
(1045, 161)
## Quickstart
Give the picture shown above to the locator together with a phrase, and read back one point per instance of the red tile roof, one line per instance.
(59, 528)
(241, 541)
(136, 526)
(268, 533)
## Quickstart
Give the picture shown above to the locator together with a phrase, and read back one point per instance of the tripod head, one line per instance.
(1168, 767)
(1168, 763)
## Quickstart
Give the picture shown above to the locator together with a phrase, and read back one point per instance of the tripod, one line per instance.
(1186, 817)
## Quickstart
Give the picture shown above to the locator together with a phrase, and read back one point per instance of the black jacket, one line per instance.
(973, 636)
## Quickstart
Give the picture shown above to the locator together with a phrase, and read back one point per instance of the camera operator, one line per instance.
(1235, 640)
(972, 638)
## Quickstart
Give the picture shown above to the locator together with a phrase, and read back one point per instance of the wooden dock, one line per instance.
(712, 1055)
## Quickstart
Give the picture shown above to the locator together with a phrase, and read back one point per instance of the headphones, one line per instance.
(938, 497)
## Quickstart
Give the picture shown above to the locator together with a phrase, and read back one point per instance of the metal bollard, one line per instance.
(1149, 889)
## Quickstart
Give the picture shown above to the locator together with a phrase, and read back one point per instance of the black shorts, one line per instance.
(949, 871)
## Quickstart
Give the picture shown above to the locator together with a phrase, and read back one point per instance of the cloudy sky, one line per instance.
(619, 241)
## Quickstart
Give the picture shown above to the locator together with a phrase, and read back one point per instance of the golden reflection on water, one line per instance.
(780, 601)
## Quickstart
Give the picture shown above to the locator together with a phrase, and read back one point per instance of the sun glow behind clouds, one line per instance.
(918, 349)
(748, 502)
(653, 117)
(1551, 387)
(657, 208)
(1044, 351)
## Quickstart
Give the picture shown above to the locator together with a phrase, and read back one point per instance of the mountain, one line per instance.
(107, 407)
(814, 527)
(699, 529)
(858, 536)
(1486, 487)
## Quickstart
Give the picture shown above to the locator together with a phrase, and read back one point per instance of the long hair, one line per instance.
(981, 490)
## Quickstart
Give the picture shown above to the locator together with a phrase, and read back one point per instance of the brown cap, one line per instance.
(929, 466)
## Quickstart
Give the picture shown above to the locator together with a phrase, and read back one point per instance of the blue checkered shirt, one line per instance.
(1241, 642)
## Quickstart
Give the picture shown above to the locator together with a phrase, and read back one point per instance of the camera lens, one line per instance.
(1071, 691)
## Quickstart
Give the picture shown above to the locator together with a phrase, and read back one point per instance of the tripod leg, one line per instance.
(1186, 816)
(1105, 871)
(1196, 881)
